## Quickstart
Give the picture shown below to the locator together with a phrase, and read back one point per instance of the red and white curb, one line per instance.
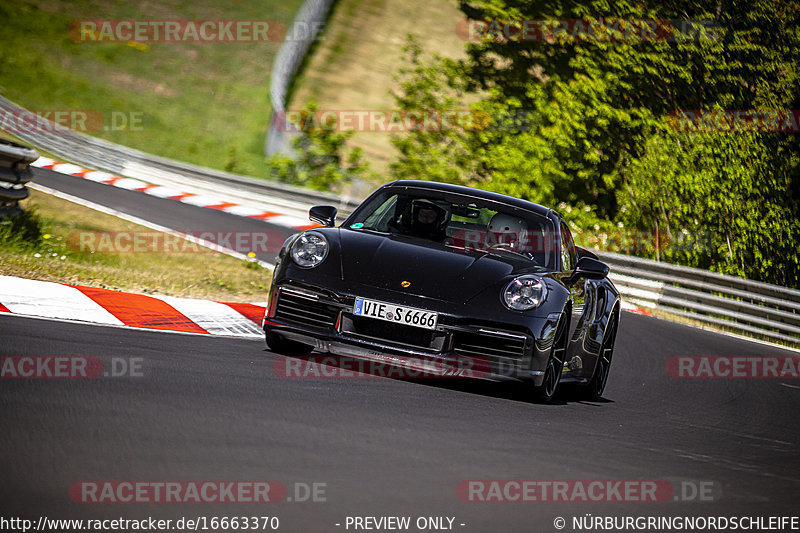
(628, 306)
(161, 191)
(47, 299)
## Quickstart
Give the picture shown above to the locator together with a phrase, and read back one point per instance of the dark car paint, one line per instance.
(432, 269)
(464, 288)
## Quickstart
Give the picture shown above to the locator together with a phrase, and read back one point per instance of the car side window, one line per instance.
(567, 249)
(379, 219)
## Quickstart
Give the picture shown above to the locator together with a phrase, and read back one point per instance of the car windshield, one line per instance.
(460, 222)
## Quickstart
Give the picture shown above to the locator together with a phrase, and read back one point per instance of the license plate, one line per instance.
(397, 314)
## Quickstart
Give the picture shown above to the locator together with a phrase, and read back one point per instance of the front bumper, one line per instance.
(462, 345)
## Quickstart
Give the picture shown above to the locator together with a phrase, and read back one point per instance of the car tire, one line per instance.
(594, 389)
(545, 392)
(283, 346)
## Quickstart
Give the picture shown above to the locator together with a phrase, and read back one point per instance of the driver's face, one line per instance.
(426, 216)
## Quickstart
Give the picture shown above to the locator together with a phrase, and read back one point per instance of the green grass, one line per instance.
(205, 103)
(43, 246)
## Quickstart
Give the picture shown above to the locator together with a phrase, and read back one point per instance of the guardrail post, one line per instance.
(15, 172)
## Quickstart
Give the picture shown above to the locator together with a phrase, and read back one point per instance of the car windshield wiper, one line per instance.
(505, 247)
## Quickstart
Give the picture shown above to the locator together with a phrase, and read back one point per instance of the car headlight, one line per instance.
(524, 293)
(309, 250)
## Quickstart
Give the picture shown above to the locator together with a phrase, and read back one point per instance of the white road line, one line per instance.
(145, 223)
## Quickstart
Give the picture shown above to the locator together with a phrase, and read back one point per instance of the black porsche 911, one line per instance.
(433, 272)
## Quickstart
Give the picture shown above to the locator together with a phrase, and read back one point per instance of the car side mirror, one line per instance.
(323, 214)
(589, 268)
(583, 252)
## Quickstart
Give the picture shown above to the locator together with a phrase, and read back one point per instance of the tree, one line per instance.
(323, 161)
(587, 117)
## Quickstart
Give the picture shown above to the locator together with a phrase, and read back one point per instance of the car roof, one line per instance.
(478, 193)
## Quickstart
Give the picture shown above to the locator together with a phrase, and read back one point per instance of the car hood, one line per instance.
(432, 270)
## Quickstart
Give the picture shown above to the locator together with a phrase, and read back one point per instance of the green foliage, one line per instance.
(720, 201)
(432, 153)
(323, 161)
(584, 122)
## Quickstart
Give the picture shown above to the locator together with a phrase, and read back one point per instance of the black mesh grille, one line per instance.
(492, 346)
(304, 309)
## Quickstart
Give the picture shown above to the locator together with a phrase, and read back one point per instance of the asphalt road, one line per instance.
(214, 409)
(165, 212)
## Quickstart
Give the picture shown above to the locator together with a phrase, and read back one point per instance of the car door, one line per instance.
(577, 291)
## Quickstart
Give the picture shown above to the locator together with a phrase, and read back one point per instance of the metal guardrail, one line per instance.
(743, 305)
(99, 154)
(312, 15)
(15, 172)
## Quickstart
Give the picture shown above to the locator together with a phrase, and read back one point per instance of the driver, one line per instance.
(428, 220)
